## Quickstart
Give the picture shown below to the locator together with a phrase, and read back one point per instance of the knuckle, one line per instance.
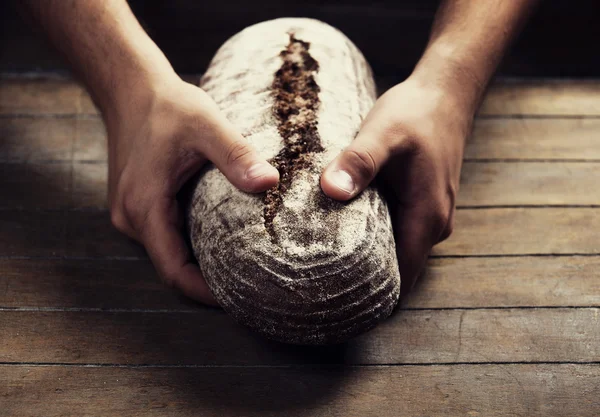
(169, 275)
(447, 232)
(118, 220)
(401, 138)
(236, 151)
(130, 207)
(441, 218)
(169, 279)
(363, 161)
(451, 194)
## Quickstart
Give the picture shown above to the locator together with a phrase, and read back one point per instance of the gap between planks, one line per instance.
(290, 366)
(200, 311)
(432, 256)
(95, 116)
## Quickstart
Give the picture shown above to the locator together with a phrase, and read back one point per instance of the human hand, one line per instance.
(159, 136)
(414, 137)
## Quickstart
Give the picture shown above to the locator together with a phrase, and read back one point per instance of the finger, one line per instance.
(357, 165)
(238, 160)
(161, 235)
(414, 231)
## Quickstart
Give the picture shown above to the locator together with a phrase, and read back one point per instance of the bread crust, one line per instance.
(313, 271)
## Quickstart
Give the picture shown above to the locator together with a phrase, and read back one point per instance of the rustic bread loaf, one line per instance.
(291, 263)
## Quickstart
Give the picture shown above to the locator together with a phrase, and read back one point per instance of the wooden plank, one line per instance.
(478, 390)
(531, 183)
(63, 96)
(48, 95)
(90, 140)
(448, 283)
(508, 282)
(523, 231)
(58, 233)
(53, 185)
(59, 283)
(477, 232)
(35, 185)
(51, 139)
(83, 185)
(209, 337)
(534, 139)
(28, 139)
(45, 139)
(90, 188)
(561, 98)
(44, 95)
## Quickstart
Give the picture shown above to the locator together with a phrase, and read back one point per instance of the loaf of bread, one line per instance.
(292, 263)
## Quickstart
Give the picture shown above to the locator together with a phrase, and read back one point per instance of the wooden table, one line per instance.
(505, 322)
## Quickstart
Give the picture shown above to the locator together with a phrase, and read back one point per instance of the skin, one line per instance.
(161, 130)
(414, 137)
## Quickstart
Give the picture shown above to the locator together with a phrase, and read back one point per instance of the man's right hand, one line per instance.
(161, 130)
(163, 134)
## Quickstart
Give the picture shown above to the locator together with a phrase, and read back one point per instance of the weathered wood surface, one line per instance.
(543, 98)
(83, 139)
(77, 185)
(471, 390)
(495, 327)
(479, 232)
(529, 184)
(535, 139)
(209, 337)
(523, 231)
(43, 96)
(448, 283)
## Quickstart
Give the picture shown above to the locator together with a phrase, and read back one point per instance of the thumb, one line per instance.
(355, 167)
(239, 161)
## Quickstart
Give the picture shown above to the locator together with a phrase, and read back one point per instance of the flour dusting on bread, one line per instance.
(293, 264)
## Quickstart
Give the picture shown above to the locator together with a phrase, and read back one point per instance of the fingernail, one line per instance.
(342, 180)
(259, 170)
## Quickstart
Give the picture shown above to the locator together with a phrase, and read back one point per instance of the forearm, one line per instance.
(105, 45)
(467, 42)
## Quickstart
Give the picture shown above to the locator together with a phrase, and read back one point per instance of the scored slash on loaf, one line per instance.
(292, 263)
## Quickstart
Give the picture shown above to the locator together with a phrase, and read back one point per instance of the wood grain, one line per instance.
(35, 185)
(507, 282)
(51, 139)
(448, 283)
(73, 185)
(29, 139)
(69, 138)
(74, 292)
(522, 138)
(58, 234)
(209, 337)
(523, 231)
(43, 96)
(495, 231)
(571, 98)
(531, 183)
(477, 390)
(43, 186)
(73, 284)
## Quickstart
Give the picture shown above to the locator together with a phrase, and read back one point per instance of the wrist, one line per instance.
(134, 84)
(445, 67)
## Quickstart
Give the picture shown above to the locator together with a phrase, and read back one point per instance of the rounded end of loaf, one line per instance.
(318, 304)
(326, 272)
